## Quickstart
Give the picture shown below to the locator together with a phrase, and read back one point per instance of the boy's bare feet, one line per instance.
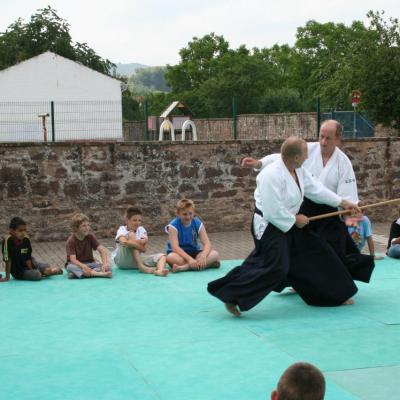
(232, 308)
(161, 272)
(216, 264)
(348, 302)
(180, 268)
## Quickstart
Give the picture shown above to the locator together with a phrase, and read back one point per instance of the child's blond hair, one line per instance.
(77, 219)
(184, 204)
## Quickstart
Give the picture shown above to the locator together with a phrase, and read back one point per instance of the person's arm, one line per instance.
(174, 240)
(205, 241)
(29, 264)
(8, 272)
(371, 246)
(258, 165)
(104, 257)
(132, 242)
(395, 241)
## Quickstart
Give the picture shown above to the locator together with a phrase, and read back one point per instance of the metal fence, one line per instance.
(355, 125)
(60, 120)
(102, 120)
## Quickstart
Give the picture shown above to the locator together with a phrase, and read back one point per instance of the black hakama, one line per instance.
(336, 234)
(297, 256)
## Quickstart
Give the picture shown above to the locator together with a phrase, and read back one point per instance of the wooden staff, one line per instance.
(341, 212)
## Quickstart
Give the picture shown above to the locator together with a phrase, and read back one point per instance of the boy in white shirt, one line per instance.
(131, 241)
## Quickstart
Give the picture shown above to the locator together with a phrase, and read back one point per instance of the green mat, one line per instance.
(142, 337)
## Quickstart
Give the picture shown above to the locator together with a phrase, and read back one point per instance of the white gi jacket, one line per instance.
(279, 197)
(337, 175)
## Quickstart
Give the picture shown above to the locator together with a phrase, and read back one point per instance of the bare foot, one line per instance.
(232, 308)
(348, 302)
(161, 272)
(216, 264)
(108, 274)
(180, 268)
(71, 275)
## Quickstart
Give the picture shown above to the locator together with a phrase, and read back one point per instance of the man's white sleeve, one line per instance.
(317, 192)
(267, 160)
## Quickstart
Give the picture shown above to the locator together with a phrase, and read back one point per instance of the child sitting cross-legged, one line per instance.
(131, 241)
(185, 233)
(360, 230)
(80, 246)
(17, 255)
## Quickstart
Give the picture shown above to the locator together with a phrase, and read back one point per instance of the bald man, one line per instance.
(285, 250)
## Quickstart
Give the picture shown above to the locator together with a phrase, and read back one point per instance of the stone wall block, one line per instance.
(135, 187)
(212, 172)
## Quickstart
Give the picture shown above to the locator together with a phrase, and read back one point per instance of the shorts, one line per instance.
(123, 258)
(77, 271)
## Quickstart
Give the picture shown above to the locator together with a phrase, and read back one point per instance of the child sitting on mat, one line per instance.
(360, 230)
(184, 252)
(80, 246)
(132, 240)
(17, 255)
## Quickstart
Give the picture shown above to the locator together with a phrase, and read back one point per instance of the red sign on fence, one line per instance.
(355, 97)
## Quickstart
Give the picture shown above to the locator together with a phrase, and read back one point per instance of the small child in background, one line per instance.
(17, 255)
(393, 247)
(360, 230)
(184, 252)
(80, 246)
(131, 241)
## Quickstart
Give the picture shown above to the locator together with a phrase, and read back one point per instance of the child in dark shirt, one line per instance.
(17, 255)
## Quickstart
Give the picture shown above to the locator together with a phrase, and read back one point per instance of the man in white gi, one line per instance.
(334, 170)
(325, 161)
(285, 250)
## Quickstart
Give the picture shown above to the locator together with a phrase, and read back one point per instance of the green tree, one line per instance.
(149, 79)
(198, 63)
(379, 71)
(46, 31)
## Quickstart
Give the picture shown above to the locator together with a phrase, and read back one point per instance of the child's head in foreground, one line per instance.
(133, 218)
(17, 228)
(301, 381)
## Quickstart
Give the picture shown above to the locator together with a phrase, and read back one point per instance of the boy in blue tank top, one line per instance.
(189, 247)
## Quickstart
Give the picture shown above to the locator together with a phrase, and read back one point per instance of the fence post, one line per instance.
(318, 115)
(53, 131)
(234, 112)
(146, 128)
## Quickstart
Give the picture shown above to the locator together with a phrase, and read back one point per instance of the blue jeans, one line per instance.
(394, 251)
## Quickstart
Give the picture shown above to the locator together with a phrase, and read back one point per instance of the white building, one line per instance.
(87, 104)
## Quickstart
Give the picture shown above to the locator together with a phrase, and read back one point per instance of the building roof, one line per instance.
(49, 55)
(177, 104)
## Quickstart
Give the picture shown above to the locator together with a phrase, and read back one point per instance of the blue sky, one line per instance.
(152, 31)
